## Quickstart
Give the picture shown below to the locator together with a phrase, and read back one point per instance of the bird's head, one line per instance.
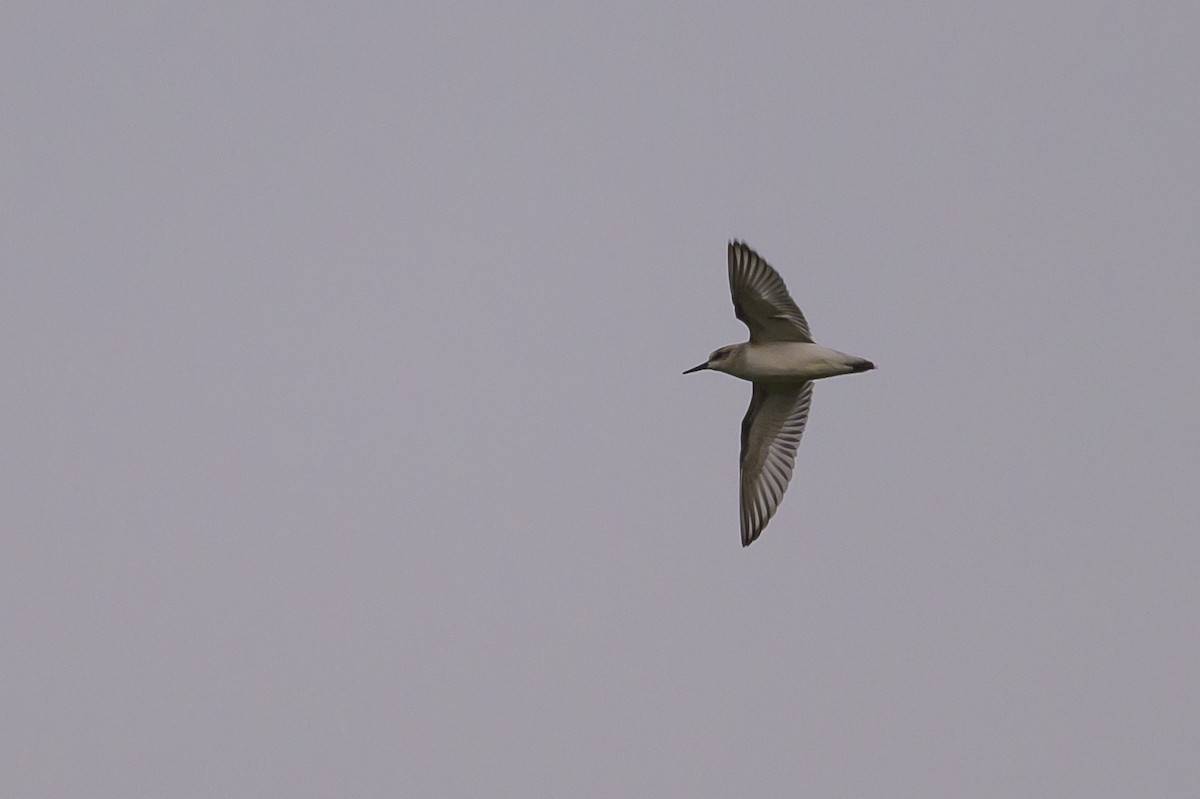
(719, 361)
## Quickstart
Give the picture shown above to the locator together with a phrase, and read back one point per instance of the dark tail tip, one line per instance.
(862, 366)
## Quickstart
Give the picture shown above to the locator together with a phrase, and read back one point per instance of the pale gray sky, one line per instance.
(344, 449)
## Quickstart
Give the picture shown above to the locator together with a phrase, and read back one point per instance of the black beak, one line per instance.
(697, 368)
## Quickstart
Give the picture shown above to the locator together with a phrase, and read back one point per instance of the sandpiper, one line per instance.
(781, 360)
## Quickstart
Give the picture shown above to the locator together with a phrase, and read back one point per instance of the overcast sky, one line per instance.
(344, 449)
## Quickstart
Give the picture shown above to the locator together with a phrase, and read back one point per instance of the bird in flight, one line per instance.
(782, 361)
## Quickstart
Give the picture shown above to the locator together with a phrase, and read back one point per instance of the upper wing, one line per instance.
(761, 300)
(771, 433)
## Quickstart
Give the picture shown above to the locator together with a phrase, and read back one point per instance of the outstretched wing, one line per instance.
(771, 433)
(761, 300)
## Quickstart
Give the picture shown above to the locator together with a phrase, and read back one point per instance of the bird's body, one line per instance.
(782, 361)
(788, 362)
